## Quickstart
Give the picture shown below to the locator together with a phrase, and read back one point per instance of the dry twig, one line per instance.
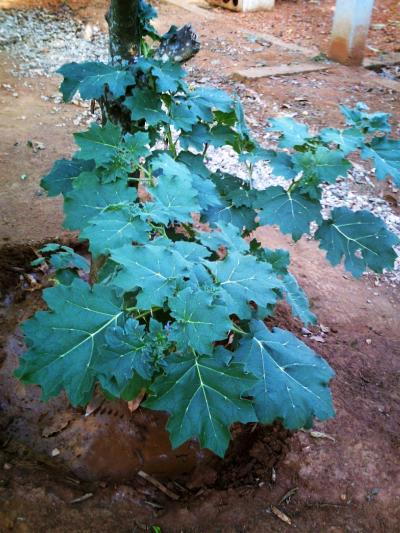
(159, 485)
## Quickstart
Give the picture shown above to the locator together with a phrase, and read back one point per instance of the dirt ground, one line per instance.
(345, 482)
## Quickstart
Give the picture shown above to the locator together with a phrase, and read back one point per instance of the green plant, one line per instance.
(177, 293)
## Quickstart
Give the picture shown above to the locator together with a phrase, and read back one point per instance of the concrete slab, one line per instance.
(384, 60)
(294, 47)
(197, 7)
(280, 70)
(380, 81)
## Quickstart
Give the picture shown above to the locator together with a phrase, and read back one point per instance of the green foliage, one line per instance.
(292, 211)
(204, 397)
(64, 341)
(361, 238)
(292, 380)
(385, 154)
(177, 293)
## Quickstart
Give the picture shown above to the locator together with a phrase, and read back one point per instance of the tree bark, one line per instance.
(124, 30)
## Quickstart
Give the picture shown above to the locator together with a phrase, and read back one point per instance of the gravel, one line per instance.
(41, 41)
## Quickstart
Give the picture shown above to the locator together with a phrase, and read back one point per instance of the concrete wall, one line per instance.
(350, 31)
(244, 5)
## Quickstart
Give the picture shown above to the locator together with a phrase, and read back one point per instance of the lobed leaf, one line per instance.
(199, 321)
(90, 198)
(127, 351)
(348, 140)
(113, 228)
(145, 104)
(99, 143)
(155, 269)
(203, 397)
(244, 280)
(64, 342)
(291, 211)
(293, 379)
(370, 122)
(324, 164)
(292, 133)
(361, 238)
(386, 156)
(297, 299)
(60, 179)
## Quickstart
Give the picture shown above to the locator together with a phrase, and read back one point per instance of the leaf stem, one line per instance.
(171, 144)
(293, 185)
(238, 330)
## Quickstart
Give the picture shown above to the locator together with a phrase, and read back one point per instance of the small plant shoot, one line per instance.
(174, 300)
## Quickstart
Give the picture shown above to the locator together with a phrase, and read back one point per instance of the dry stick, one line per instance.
(82, 498)
(282, 516)
(288, 495)
(159, 485)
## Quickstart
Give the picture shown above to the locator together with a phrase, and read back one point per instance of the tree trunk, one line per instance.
(124, 30)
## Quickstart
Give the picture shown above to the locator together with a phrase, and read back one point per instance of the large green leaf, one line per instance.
(153, 268)
(165, 162)
(323, 164)
(182, 116)
(173, 196)
(59, 179)
(291, 211)
(224, 236)
(386, 155)
(66, 258)
(203, 397)
(297, 299)
(113, 228)
(89, 198)
(127, 157)
(75, 73)
(99, 142)
(279, 259)
(205, 99)
(241, 217)
(191, 251)
(64, 341)
(136, 146)
(169, 76)
(146, 104)
(293, 133)
(206, 189)
(198, 320)
(348, 140)
(370, 122)
(360, 237)
(127, 351)
(244, 280)
(228, 184)
(196, 138)
(282, 165)
(293, 379)
(90, 78)
(280, 162)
